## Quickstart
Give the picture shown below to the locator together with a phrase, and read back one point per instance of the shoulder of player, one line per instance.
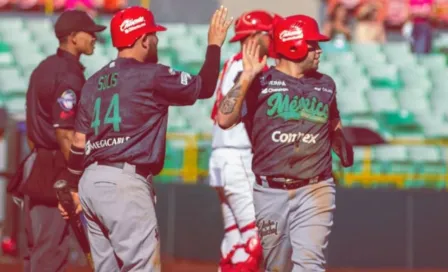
(324, 80)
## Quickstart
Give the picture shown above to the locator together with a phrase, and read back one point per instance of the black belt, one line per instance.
(288, 183)
(142, 170)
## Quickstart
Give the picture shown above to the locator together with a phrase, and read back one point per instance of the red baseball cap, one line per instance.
(130, 24)
(251, 22)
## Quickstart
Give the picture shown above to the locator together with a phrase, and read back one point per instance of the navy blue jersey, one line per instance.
(124, 110)
(289, 121)
(52, 96)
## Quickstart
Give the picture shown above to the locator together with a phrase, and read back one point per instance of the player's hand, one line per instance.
(219, 25)
(252, 65)
(77, 204)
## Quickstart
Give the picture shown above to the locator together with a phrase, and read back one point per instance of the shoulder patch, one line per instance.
(67, 101)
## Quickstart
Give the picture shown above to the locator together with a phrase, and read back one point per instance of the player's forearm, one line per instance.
(75, 163)
(229, 113)
(210, 71)
(340, 145)
(64, 138)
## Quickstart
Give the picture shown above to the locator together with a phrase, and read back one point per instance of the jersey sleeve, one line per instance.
(82, 121)
(65, 102)
(174, 88)
(334, 111)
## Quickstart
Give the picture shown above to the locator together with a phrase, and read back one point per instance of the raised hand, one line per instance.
(252, 65)
(219, 25)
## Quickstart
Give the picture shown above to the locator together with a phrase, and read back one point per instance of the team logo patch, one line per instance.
(67, 101)
(293, 33)
(130, 25)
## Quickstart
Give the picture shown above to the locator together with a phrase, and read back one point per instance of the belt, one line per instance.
(142, 170)
(287, 183)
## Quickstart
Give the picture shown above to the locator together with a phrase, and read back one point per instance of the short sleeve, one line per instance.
(175, 88)
(82, 121)
(334, 111)
(64, 106)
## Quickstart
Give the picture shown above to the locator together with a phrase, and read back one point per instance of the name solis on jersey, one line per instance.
(280, 137)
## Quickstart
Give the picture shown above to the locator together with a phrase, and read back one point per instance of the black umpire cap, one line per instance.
(75, 21)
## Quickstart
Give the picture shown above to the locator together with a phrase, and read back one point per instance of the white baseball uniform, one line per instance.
(231, 169)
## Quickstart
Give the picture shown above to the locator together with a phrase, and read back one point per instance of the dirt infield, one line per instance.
(170, 265)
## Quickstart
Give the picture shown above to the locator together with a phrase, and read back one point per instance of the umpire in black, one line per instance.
(51, 104)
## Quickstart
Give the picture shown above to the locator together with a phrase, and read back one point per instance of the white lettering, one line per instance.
(277, 83)
(129, 25)
(294, 33)
(308, 138)
(104, 143)
(273, 90)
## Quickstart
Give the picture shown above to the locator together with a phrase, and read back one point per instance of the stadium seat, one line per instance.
(383, 75)
(198, 30)
(14, 38)
(433, 61)
(345, 58)
(16, 105)
(369, 49)
(327, 68)
(414, 101)
(352, 103)
(367, 122)
(382, 101)
(393, 159)
(30, 60)
(40, 25)
(429, 154)
(6, 57)
(176, 122)
(12, 82)
(11, 24)
(356, 84)
(395, 49)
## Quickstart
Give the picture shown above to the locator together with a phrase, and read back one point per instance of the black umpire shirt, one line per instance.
(53, 92)
(51, 103)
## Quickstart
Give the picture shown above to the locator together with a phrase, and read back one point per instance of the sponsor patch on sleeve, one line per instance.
(67, 101)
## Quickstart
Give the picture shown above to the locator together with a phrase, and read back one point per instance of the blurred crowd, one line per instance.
(91, 6)
(366, 21)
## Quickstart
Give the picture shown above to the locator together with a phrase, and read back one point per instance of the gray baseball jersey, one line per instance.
(288, 122)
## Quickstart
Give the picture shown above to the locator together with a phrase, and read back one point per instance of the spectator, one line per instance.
(368, 28)
(420, 12)
(84, 5)
(337, 27)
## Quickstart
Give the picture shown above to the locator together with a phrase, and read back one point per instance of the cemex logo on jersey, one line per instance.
(297, 108)
(280, 137)
(130, 25)
(274, 90)
(294, 33)
(67, 100)
(104, 143)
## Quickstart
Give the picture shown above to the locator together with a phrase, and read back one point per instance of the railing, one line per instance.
(367, 177)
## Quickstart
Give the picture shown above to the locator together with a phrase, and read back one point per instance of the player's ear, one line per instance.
(145, 41)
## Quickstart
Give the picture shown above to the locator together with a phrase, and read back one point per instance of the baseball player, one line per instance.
(293, 122)
(231, 158)
(120, 133)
